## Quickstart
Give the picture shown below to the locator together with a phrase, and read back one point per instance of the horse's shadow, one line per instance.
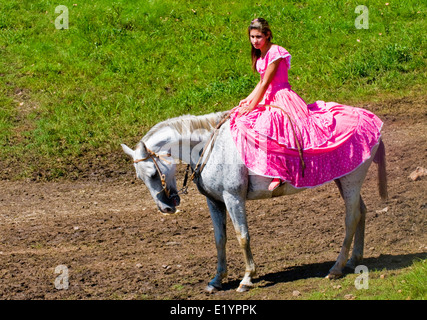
(320, 270)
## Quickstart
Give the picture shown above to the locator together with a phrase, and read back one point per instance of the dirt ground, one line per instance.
(115, 244)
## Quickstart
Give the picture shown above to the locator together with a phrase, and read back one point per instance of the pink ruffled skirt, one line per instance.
(334, 139)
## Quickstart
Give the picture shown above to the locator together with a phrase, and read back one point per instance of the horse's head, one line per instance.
(157, 170)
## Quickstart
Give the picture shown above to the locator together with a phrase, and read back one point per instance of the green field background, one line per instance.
(75, 94)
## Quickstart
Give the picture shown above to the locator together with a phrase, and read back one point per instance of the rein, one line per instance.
(297, 142)
(201, 164)
(197, 171)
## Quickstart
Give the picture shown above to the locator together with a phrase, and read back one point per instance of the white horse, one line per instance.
(227, 184)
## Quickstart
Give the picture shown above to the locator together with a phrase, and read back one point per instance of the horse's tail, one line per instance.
(382, 172)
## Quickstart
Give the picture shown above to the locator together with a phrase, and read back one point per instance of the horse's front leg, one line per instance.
(218, 215)
(236, 208)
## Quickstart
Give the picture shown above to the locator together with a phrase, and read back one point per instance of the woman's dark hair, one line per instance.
(261, 25)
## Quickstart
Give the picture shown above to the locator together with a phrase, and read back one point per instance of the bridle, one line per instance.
(153, 156)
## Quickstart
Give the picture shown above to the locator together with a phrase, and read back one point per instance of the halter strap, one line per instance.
(153, 157)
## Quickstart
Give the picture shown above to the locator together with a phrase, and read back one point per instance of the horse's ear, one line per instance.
(128, 151)
(141, 150)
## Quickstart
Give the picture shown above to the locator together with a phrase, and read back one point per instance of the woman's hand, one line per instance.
(243, 102)
(245, 109)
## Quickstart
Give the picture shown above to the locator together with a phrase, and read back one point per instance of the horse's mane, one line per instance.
(186, 124)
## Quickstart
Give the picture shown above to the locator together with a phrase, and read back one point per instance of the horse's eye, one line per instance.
(151, 174)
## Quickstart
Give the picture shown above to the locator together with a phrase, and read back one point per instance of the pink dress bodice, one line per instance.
(280, 81)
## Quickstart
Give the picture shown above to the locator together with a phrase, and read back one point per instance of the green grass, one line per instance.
(404, 284)
(121, 67)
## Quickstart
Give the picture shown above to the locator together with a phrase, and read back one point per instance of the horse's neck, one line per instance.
(182, 146)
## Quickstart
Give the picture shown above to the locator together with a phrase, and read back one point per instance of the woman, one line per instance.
(279, 136)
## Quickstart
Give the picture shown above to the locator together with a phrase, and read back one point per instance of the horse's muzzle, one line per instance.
(176, 200)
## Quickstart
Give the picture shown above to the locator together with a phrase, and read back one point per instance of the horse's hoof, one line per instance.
(352, 264)
(333, 276)
(211, 289)
(243, 288)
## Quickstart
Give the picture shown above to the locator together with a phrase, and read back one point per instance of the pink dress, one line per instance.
(305, 145)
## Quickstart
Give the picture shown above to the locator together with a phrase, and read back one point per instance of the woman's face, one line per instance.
(258, 39)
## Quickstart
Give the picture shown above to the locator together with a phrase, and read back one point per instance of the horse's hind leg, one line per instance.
(359, 239)
(350, 186)
(352, 217)
(359, 236)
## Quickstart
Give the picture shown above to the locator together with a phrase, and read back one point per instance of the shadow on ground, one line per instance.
(320, 270)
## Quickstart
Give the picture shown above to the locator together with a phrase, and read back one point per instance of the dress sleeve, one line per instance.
(277, 52)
